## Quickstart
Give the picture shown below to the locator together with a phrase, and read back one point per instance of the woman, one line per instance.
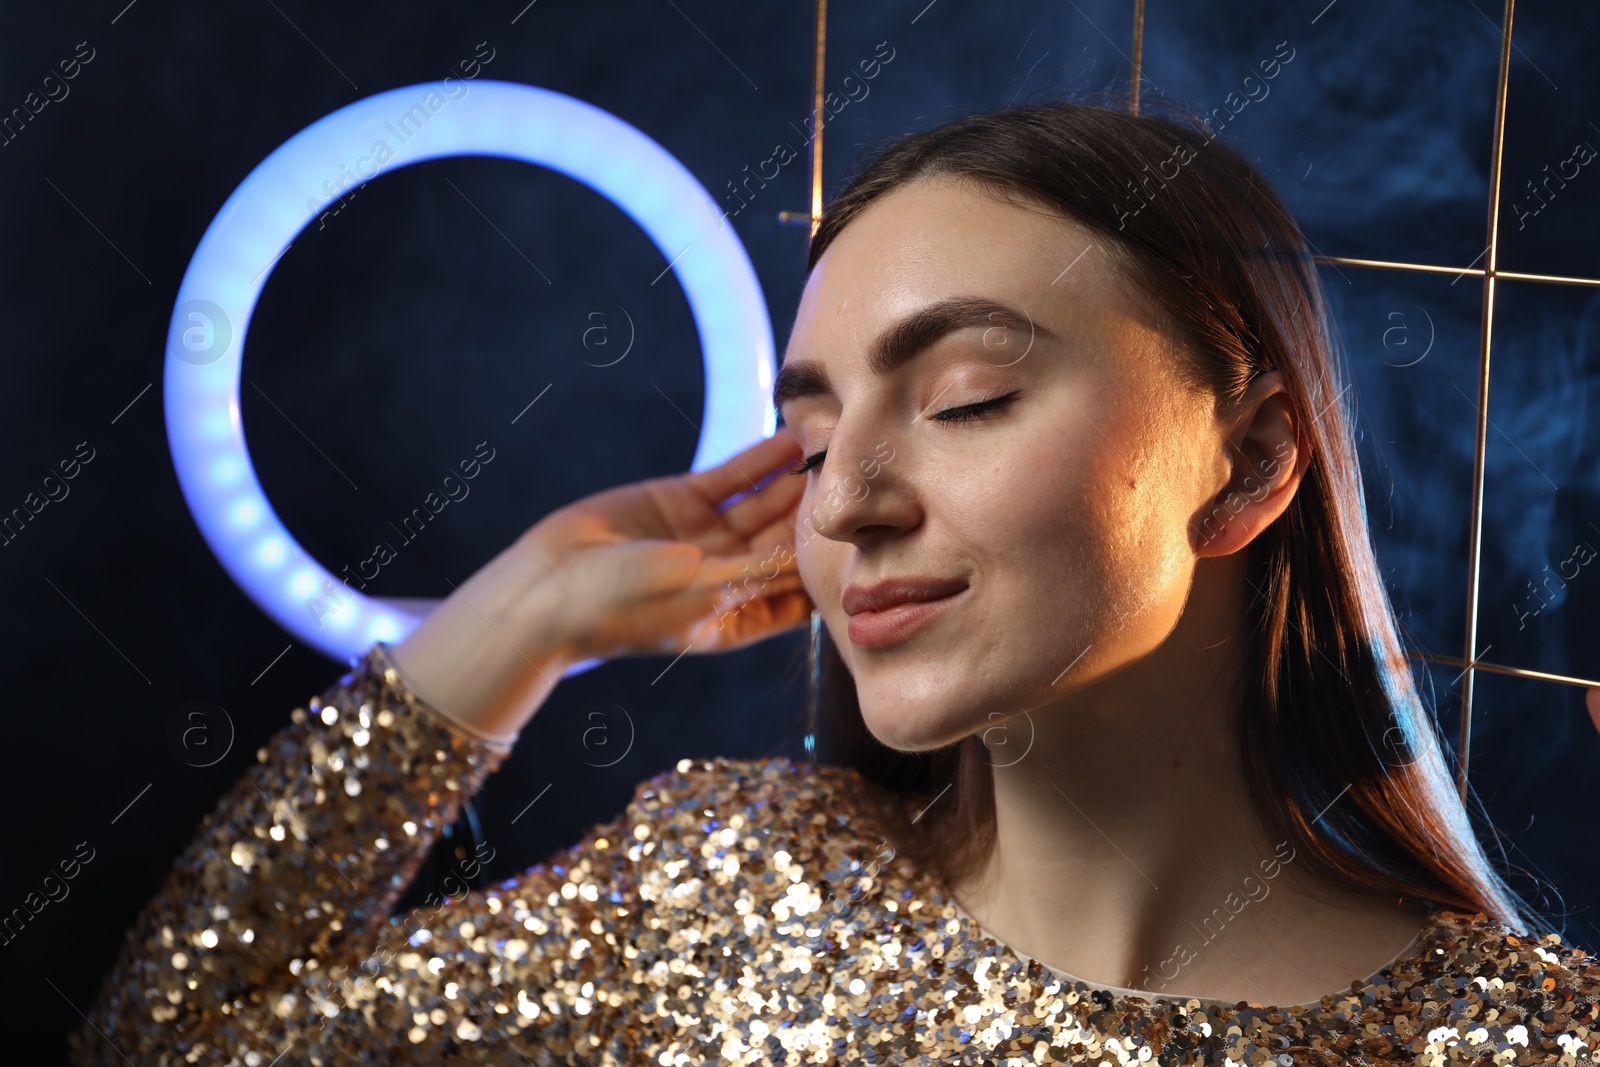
(1130, 764)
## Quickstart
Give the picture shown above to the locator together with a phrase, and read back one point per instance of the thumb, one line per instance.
(1593, 700)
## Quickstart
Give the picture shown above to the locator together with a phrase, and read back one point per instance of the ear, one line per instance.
(1265, 465)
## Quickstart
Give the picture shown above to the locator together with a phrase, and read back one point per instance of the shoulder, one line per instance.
(754, 826)
(770, 794)
(1506, 966)
(754, 784)
(1477, 938)
(1548, 961)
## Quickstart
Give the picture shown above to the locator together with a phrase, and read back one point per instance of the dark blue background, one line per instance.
(408, 329)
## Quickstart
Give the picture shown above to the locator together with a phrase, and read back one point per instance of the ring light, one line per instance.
(286, 192)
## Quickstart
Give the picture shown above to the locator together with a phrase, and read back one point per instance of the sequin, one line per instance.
(740, 911)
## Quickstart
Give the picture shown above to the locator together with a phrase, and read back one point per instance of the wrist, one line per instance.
(383, 654)
(491, 652)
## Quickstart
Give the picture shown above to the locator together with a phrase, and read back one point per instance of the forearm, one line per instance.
(491, 653)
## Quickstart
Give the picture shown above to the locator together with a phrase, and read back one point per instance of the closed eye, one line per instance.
(964, 413)
(968, 412)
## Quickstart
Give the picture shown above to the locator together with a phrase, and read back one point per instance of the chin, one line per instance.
(912, 727)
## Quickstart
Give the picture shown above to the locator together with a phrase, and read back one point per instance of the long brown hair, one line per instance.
(1328, 699)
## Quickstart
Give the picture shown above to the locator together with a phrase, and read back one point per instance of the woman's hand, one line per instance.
(655, 567)
(662, 566)
(1593, 700)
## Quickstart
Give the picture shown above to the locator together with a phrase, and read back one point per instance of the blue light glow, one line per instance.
(245, 514)
(304, 584)
(227, 470)
(271, 551)
(288, 190)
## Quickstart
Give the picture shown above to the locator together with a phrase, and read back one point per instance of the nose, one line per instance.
(861, 493)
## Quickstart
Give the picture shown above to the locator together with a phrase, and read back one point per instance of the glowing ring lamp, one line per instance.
(286, 191)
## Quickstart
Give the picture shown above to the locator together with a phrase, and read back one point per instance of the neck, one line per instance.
(1127, 850)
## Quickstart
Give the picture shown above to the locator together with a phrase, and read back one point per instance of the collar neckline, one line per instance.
(973, 931)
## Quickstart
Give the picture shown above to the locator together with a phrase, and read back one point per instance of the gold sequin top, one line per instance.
(746, 911)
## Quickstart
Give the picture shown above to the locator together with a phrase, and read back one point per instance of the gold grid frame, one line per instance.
(1489, 272)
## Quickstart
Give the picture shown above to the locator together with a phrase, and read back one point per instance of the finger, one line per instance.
(766, 618)
(783, 534)
(793, 609)
(788, 610)
(679, 618)
(748, 572)
(729, 602)
(746, 469)
(778, 500)
(747, 591)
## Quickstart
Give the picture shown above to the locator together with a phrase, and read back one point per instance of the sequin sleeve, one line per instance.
(270, 939)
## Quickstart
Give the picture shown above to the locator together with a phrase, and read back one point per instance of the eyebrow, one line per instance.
(904, 341)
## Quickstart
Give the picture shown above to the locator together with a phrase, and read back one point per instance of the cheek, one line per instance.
(1064, 536)
(1083, 552)
(1149, 563)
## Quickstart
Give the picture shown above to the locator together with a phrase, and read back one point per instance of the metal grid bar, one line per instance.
(816, 117)
(1500, 668)
(1475, 541)
(1138, 54)
(1476, 272)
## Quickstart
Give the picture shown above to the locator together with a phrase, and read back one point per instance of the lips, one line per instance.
(886, 593)
(887, 613)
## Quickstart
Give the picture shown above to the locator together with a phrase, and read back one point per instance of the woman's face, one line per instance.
(1062, 514)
